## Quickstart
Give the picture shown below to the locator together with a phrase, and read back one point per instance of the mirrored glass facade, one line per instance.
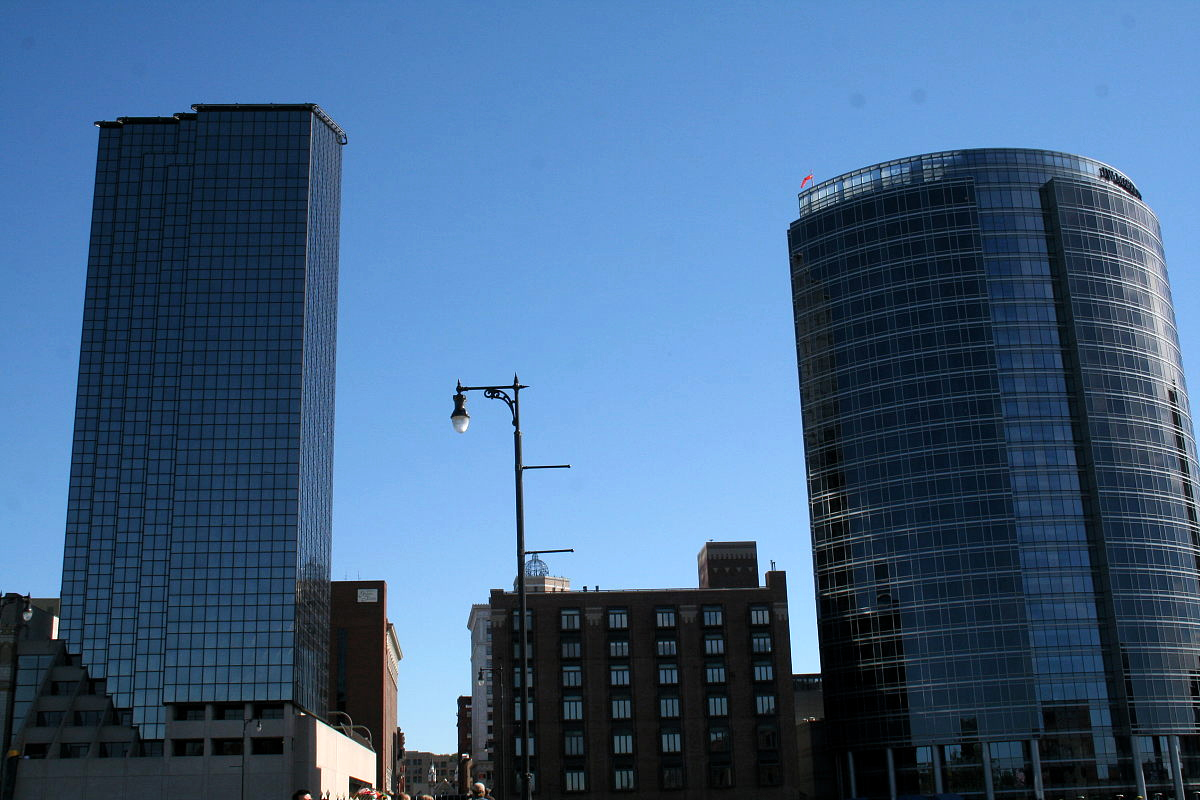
(196, 566)
(1001, 475)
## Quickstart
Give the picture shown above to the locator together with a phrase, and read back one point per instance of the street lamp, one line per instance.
(245, 725)
(461, 419)
(7, 776)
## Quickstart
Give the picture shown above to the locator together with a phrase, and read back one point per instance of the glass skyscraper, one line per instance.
(197, 555)
(1001, 472)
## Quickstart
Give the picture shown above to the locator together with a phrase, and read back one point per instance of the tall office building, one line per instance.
(1001, 474)
(196, 567)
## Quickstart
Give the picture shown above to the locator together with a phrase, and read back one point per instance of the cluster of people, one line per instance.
(478, 790)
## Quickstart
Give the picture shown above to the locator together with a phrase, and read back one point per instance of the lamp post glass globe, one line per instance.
(459, 418)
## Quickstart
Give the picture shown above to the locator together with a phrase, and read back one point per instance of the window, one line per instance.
(768, 737)
(618, 618)
(226, 747)
(568, 619)
(114, 749)
(623, 778)
(573, 742)
(49, 719)
(187, 747)
(519, 749)
(618, 675)
(516, 620)
(664, 617)
(764, 703)
(672, 777)
(74, 750)
(268, 711)
(718, 705)
(713, 615)
(760, 642)
(37, 749)
(668, 707)
(622, 707)
(664, 647)
(714, 672)
(714, 644)
(575, 780)
(90, 718)
(718, 739)
(668, 674)
(572, 648)
(517, 709)
(267, 746)
(618, 648)
(152, 748)
(572, 675)
(769, 773)
(760, 615)
(622, 743)
(572, 706)
(720, 776)
(671, 741)
(764, 671)
(237, 711)
(189, 713)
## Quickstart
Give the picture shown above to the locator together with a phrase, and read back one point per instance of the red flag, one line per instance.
(807, 178)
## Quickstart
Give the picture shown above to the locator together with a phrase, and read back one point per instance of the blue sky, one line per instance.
(594, 195)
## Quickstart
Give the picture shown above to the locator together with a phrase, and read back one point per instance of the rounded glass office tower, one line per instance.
(1001, 474)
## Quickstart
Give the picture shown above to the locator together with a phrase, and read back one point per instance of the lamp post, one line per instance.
(6, 764)
(245, 725)
(461, 419)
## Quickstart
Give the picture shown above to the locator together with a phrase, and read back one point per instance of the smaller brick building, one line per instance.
(658, 693)
(364, 661)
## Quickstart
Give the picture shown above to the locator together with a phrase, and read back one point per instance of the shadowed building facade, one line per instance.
(648, 693)
(1001, 475)
(196, 567)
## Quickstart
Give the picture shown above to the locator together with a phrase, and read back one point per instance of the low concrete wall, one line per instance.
(319, 759)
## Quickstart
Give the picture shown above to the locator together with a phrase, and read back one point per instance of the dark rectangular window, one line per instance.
(187, 747)
(672, 777)
(720, 776)
(189, 713)
(226, 747)
(268, 711)
(237, 711)
(267, 746)
(114, 749)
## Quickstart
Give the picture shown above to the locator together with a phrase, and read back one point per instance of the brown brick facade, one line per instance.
(720, 723)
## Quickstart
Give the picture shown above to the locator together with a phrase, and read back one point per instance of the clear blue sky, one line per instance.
(593, 194)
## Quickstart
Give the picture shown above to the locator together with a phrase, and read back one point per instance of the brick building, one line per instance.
(364, 661)
(658, 692)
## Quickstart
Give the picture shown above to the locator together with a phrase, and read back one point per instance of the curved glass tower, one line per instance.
(1001, 474)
